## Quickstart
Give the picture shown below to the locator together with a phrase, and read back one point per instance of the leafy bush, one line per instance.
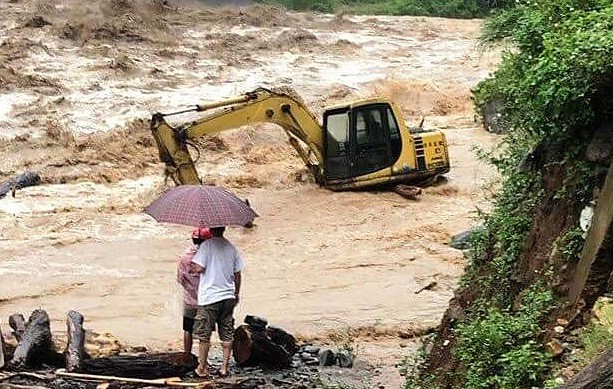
(571, 243)
(564, 62)
(500, 349)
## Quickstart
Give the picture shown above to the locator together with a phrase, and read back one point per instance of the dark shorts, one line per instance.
(188, 319)
(220, 313)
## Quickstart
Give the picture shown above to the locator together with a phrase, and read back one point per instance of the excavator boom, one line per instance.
(260, 105)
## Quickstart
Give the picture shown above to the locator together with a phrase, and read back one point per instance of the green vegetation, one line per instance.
(571, 243)
(597, 336)
(444, 8)
(500, 348)
(561, 67)
(553, 89)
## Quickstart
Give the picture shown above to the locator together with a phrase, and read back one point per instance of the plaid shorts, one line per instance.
(219, 312)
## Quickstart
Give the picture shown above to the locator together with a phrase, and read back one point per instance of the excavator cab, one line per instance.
(360, 140)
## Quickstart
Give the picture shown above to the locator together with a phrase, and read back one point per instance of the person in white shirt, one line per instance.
(219, 265)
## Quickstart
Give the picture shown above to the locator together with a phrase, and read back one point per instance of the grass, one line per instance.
(598, 335)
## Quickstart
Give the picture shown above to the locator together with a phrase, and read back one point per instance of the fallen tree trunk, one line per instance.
(597, 375)
(150, 366)
(271, 347)
(75, 349)
(21, 181)
(35, 347)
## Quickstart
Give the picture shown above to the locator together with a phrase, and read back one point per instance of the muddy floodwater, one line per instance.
(75, 93)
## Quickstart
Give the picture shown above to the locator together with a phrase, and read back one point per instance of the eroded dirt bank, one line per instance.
(76, 91)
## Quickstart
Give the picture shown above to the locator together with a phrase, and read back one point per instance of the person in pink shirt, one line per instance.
(189, 281)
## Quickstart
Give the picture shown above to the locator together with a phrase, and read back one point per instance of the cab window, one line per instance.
(337, 149)
(395, 140)
(371, 140)
(337, 127)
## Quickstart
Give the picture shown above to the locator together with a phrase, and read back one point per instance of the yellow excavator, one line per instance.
(361, 144)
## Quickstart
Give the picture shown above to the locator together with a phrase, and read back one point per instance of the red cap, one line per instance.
(201, 233)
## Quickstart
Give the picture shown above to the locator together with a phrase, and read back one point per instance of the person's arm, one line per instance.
(195, 268)
(184, 267)
(237, 286)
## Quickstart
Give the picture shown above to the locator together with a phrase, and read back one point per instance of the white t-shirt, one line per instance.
(220, 261)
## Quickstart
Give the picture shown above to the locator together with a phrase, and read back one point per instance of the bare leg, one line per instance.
(187, 342)
(227, 350)
(203, 358)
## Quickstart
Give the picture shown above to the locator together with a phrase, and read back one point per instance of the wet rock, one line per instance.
(493, 120)
(345, 359)
(461, 241)
(326, 357)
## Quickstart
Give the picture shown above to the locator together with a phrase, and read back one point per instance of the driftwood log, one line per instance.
(270, 346)
(146, 366)
(18, 324)
(35, 346)
(597, 375)
(75, 349)
(21, 181)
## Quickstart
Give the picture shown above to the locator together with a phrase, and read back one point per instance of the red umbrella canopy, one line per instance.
(200, 206)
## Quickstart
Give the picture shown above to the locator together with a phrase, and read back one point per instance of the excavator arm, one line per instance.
(261, 105)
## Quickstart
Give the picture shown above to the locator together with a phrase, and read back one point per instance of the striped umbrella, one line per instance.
(201, 206)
